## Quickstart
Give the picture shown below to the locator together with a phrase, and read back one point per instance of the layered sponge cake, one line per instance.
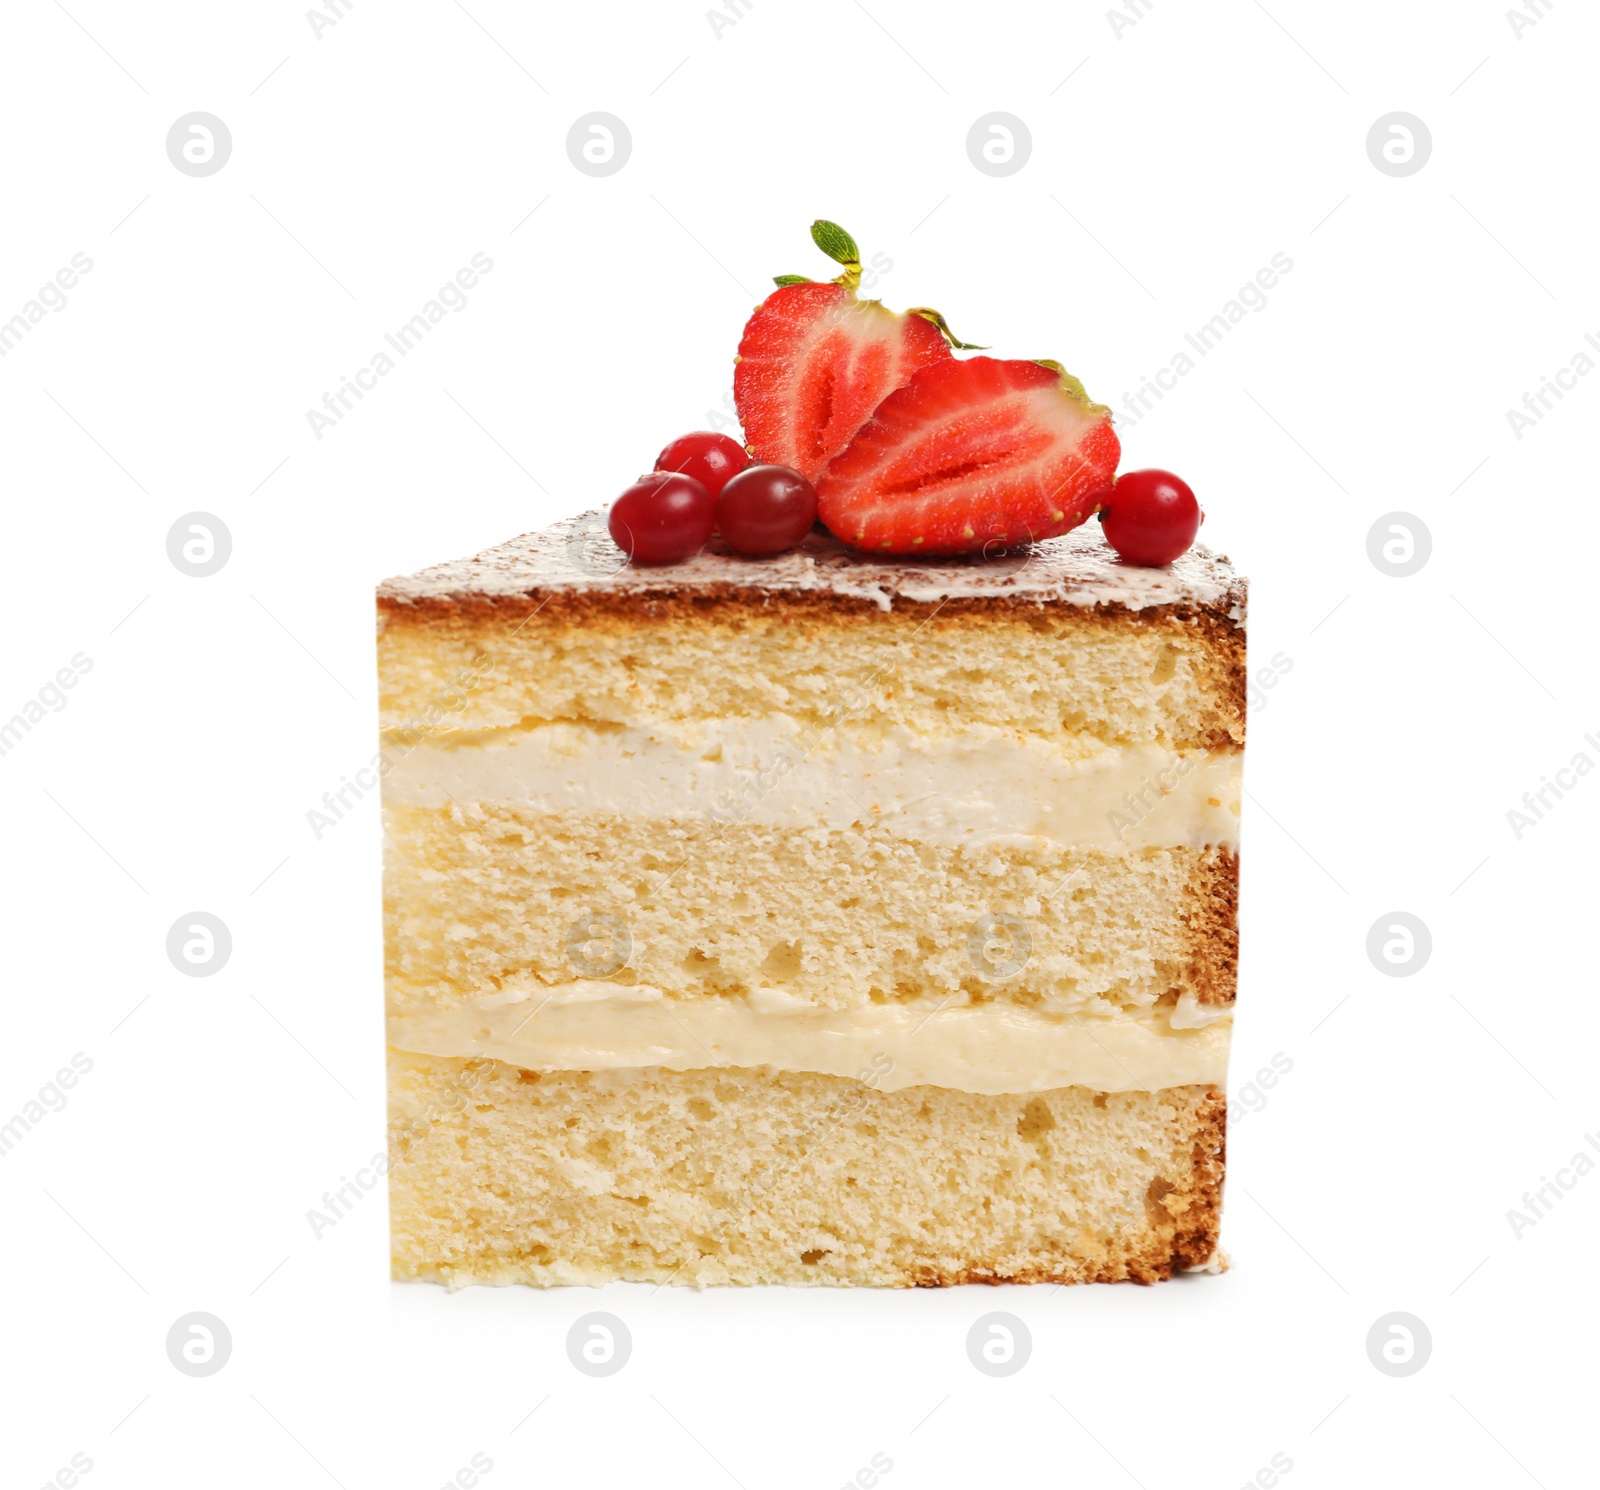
(817, 919)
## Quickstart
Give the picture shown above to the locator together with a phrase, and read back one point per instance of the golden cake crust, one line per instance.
(1194, 1205)
(1210, 912)
(1173, 672)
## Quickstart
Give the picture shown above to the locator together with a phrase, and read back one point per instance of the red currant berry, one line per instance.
(710, 459)
(661, 518)
(766, 509)
(1151, 517)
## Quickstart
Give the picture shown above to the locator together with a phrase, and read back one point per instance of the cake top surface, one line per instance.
(576, 556)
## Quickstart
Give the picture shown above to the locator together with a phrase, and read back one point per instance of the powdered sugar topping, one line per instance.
(577, 555)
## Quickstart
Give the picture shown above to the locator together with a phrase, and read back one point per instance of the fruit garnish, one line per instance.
(972, 456)
(661, 518)
(815, 361)
(1151, 517)
(766, 509)
(710, 458)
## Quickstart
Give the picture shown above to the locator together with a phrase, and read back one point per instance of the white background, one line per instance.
(1175, 159)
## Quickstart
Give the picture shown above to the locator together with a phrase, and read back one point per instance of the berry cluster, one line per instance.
(863, 417)
(705, 483)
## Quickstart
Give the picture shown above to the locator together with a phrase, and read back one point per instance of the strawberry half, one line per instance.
(972, 455)
(815, 361)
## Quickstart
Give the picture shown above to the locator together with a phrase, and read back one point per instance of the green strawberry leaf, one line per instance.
(835, 242)
(792, 279)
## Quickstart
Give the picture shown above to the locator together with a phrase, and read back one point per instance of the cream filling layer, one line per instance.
(981, 786)
(989, 1048)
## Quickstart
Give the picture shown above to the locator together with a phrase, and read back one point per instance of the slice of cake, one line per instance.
(824, 918)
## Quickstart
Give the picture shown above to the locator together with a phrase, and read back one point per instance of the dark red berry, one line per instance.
(1151, 517)
(766, 509)
(662, 517)
(711, 459)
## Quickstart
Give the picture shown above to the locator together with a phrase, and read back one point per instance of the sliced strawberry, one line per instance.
(970, 455)
(815, 361)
